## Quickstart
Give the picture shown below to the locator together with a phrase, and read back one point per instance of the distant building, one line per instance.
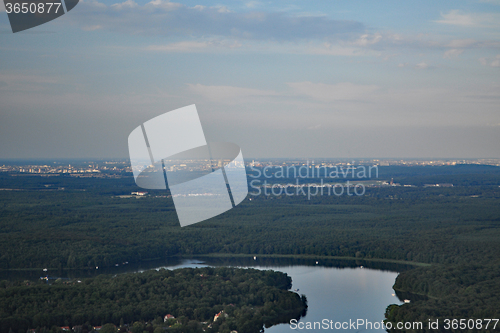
(220, 314)
(217, 316)
(167, 317)
(139, 193)
(438, 185)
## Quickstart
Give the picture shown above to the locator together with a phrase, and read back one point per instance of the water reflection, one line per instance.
(337, 290)
(178, 262)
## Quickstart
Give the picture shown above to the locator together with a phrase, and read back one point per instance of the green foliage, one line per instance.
(87, 225)
(191, 295)
(469, 291)
(108, 328)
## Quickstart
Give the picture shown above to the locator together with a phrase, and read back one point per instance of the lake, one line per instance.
(340, 291)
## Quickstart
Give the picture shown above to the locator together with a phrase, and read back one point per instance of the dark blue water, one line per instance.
(338, 292)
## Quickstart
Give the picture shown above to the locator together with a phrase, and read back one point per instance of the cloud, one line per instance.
(126, 4)
(360, 46)
(457, 18)
(378, 44)
(344, 91)
(313, 127)
(461, 43)
(492, 62)
(92, 4)
(28, 82)
(496, 62)
(366, 39)
(164, 4)
(493, 2)
(457, 46)
(320, 92)
(416, 43)
(92, 27)
(335, 50)
(175, 19)
(453, 53)
(252, 4)
(194, 46)
(222, 9)
(228, 94)
(422, 65)
(29, 78)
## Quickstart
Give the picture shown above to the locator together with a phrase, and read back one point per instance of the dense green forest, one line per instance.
(64, 222)
(88, 225)
(248, 299)
(469, 291)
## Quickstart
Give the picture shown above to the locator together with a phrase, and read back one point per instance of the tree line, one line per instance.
(248, 298)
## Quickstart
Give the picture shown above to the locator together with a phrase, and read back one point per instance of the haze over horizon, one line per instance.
(303, 79)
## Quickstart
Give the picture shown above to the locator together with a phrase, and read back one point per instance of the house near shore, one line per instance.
(217, 316)
(167, 317)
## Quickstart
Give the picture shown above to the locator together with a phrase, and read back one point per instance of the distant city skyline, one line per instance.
(95, 165)
(313, 79)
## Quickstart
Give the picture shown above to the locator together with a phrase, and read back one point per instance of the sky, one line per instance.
(308, 79)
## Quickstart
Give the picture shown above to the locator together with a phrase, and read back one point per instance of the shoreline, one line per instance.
(240, 255)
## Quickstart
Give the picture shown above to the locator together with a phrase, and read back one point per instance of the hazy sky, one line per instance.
(279, 78)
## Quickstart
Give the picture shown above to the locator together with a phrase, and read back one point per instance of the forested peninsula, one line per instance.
(183, 300)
